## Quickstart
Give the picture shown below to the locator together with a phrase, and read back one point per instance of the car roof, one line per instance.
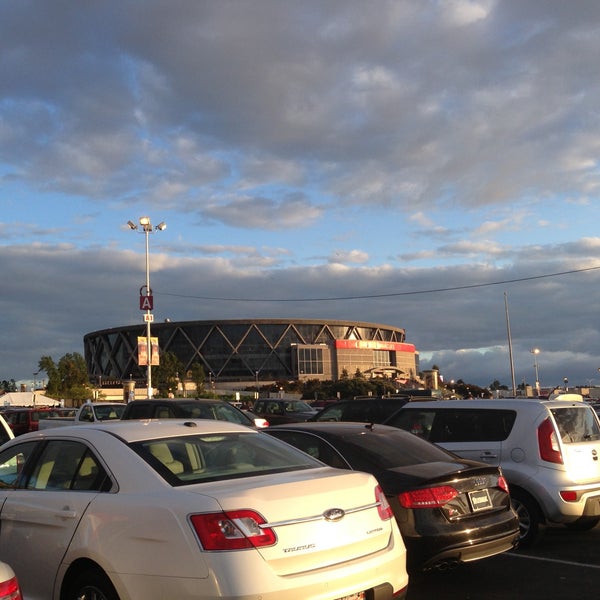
(177, 400)
(339, 427)
(513, 403)
(144, 429)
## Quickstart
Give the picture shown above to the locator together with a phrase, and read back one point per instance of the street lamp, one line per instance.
(256, 394)
(535, 352)
(147, 229)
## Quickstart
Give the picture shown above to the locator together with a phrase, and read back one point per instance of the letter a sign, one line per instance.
(146, 302)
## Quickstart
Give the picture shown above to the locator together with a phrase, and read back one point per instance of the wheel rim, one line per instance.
(91, 592)
(523, 516)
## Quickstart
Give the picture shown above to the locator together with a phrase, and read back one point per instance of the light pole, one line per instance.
(535, 352)
(257, 393)
(147, 302)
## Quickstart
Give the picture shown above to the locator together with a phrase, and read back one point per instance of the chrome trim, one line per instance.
(320, 517)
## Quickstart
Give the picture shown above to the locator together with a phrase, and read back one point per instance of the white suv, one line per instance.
(549, 451)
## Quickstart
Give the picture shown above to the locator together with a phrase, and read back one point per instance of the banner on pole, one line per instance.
(143, 351)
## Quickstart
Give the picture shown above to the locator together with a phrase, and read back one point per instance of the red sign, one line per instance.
(374, 345)
(146, 302)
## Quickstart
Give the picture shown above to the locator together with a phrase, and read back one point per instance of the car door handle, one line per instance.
(66, 513)
(488, 456)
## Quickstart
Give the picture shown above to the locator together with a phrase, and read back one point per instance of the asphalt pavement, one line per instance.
(563, 565)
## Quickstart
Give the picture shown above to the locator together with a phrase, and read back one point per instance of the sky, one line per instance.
(425, 164)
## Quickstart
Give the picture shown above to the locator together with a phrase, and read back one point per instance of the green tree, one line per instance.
(8, 386)
(47, 365)
(198, 376)
(165, 376)
(68, 379)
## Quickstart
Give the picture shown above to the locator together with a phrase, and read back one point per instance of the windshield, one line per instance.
(210, 457)
(576, 424)
(107, 413)
(220, 411)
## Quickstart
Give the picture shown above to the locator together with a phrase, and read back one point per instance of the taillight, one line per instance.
(232, 530)
(383, 506)
(9, 590)
(569, 495)
(434, 497)
(503, 484)
(548, 443)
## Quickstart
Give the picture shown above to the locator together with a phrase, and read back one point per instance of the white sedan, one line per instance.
(190, 509)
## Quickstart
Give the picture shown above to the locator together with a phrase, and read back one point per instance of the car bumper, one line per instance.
(451, 544)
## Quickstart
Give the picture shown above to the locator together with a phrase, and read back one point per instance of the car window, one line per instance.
(108, 413)
(313, 445)
(12, 463)
(4, 435)
(456, 425)
(209, 457)
(140, 411)
(66, 465)
(576, 424)
(297, 406)
(86, 414)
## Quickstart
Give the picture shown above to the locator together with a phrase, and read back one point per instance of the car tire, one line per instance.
(92, 584)
(529, 516)
(583, 524)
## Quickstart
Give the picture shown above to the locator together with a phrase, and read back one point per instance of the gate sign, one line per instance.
(146, 302)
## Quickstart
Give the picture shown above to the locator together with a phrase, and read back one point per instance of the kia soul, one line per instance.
(549, 451)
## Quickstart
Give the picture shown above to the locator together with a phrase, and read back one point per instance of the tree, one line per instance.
(53, 386)
(198, 376)
(8, 386)
(166, 375)
(68, 378)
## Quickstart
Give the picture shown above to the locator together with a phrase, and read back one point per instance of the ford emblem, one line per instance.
(334, 514)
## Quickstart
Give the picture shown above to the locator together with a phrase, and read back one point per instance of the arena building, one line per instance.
(246, 350)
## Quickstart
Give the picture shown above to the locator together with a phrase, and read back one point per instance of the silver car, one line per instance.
(549, 451)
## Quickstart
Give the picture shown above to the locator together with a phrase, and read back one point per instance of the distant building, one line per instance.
(257, 350)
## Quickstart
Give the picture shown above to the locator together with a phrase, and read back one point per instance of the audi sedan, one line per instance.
(190, 509)
(449, 510)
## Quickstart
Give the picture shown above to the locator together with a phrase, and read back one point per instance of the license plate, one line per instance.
(480, 500)
(356, 596)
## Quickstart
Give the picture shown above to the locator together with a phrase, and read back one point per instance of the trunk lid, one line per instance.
(297, 510)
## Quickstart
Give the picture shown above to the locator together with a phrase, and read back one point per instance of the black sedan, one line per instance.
(449, 510)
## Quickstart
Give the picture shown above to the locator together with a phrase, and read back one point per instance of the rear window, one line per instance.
(576, 424)
(361, 411)
(456, 425)
(212, 457)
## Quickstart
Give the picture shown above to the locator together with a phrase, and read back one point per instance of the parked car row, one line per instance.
(386, 490)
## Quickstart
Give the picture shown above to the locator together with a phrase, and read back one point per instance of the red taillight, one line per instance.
(434, 497)
(232, 530)
(548, 443)
(9, 590)
(503, 484)
(569, 495)
(383, 506)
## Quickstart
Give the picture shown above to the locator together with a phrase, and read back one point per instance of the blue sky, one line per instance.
(301, 151)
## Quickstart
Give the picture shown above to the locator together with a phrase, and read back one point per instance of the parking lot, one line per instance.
(562, 566)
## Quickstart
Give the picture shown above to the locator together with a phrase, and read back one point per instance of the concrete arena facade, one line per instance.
(257, 349)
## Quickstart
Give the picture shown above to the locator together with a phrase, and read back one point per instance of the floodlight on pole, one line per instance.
(147, 229)
(535, 352)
